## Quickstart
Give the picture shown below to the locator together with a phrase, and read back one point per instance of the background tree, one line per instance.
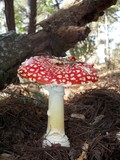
(104, 27)
(32, 15)
(115, 58)
(9, 13)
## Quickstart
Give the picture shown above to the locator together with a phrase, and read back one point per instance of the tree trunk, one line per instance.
(59, 33)
(9, 14)
(107, 48)
(32, 18)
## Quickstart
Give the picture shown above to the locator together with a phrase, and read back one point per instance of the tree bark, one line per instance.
(59, 33)
(9, 14)
(32, 18)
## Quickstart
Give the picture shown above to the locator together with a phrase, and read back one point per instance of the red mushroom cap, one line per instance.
(51, 70)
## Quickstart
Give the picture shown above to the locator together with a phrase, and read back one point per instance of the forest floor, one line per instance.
(92, 122)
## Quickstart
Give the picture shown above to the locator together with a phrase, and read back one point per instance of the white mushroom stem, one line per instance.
(55, 133)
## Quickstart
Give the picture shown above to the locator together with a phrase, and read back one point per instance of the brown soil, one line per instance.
(92, 120)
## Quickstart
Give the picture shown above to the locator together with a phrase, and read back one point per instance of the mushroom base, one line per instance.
(55, 139)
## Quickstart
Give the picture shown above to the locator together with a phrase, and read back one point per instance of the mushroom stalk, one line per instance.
(55, 133)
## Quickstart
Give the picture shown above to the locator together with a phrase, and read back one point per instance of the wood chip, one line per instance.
(78, 116)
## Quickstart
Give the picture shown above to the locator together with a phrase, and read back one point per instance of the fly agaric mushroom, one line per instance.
(55, 74)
